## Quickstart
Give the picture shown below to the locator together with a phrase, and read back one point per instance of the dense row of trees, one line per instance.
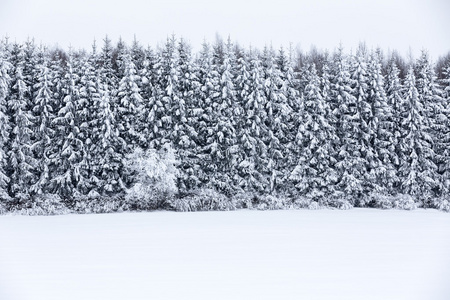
(312, 124)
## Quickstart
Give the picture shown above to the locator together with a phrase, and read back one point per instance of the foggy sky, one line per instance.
(389, 24)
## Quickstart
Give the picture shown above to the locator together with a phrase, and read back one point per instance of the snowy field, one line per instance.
(357, 254)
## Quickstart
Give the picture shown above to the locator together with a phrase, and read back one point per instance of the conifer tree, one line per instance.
(129, 106)
(417, 171)
(205, 111)
(314, 175)
(68, 148)
(4, 125)
(394, 94)
(444, 136)
(88, 95)
(20, 159)
(350, 164)
(221, 140)
(106, 162)
(250, 128)
(186, 140)
(291, 94)
(44, 102)
(381, 170)
(277, 110)
(434, 113)
(167, 94)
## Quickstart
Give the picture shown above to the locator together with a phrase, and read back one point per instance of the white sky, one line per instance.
(390, 24)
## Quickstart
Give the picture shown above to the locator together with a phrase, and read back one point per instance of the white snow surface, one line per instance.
(292, 254)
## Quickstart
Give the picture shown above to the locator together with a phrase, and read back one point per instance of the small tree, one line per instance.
(155, 176)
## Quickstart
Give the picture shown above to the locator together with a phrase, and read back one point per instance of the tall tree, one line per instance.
(314, 175)
(44, 103)
(20, 158)
(4, 125)
(417, 171)
(350, 161)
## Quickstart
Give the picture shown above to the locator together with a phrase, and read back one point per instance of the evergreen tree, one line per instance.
(68, 148)
(205, 112)
(394, 94)
(4, 125)
(150, 121)
(350, 164)
(221, 139)
(44, 103)
(444, 134)
(186, 140)
(289, 90)
(314, 175)
(277, 110)
(434, 114)
(88, 95)
(250, 128)
(20, 158)
(106, 161)
(381, 170)
(417, 171)
(168, 102)
(129, 107)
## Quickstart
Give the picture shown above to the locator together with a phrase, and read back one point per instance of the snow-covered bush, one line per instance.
(380, 201)
(336, 202)
(245, 200)
(42, 205)
(406, 202)
(155, 176)
(99, 205)
(272, 202)
(202, 199)
(306, 203)
(441, 204)
(3, 209)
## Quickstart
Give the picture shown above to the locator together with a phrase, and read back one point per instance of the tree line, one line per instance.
(317, 125)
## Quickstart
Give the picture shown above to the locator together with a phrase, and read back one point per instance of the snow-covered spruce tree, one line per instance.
(130, 106)
(365, 121)
(249, 126)
(138, 57)
(44, 102)
(33, 56)
(5, 80)
(118, 55)
(107, 73)
(394, 94)
(435, 115)
(21, 163)
(67, 152)
(204, 111)
(221, 143)
(290, 90)
(151, 119)
(185, 137)
(106, 161)
(350, 164)
(167, 98)
(277, 110)
(155, 177)
(89, 94)
(417, 170)
(314, 176)
(444, 136)
(107, 167)
(381, 170)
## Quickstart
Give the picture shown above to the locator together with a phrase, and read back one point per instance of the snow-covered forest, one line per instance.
(127, 127)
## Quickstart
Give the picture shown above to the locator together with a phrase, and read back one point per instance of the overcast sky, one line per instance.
(390, 24)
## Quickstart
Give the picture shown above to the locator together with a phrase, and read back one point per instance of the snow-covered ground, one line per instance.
(323, 254)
